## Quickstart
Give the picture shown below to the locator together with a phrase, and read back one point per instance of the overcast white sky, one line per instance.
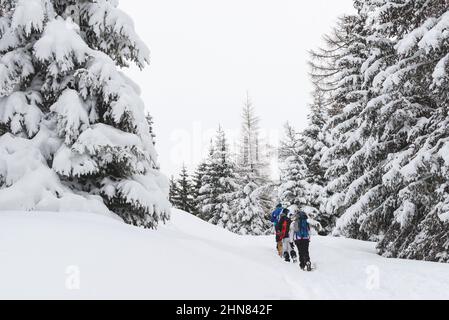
(205, 55)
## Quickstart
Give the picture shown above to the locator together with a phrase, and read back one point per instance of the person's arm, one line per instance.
(308, 226)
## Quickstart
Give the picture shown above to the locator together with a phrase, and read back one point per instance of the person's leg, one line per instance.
(298, 245)
(306, 250)
(279, 247)
(292, 251)
(278, 242)
(285, 249)
(302, 254)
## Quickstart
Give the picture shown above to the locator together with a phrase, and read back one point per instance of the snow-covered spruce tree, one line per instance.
(252, 153)
(74, 133)
(295, 188)
(206, 195)
(394, 118)
(337, 75)
(417, 173)
(394, 186)
(251, 204)
(173, 190)
(182, 192)
(197, 184)
(381, 122)
(312, 143)
(218, 184)
(251, 216)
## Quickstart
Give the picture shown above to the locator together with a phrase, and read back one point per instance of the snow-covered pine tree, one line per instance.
(382, 136)
(297, 188)
(294, 189)
(183, 192)
(218, 184)
(336, 73)
(313, 138)
(417, 172)
(173, 190)
(206, 194)
(252, 153)
(392, 183)
(312, 143)
(223, 165)
(252, 207)
(393, 119)
(251, 217)
(74, 133)
(197, 183)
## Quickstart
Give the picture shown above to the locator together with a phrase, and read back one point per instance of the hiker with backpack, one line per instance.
(275, 215)
(301, 236)
(283, 232)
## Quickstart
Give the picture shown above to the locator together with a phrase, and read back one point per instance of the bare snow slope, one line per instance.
(43, 255)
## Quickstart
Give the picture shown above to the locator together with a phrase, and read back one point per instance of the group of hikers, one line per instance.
(292, 228)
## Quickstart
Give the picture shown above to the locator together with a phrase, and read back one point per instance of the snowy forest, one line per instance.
(372, 164)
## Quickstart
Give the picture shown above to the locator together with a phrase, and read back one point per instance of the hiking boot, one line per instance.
(294, 256)
(309, 266)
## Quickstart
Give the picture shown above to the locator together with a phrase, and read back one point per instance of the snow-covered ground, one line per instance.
(74, 255)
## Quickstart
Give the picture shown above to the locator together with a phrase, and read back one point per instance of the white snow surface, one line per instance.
(191, 259)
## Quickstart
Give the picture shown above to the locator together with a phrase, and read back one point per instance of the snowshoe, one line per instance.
(294, 257)
(309, 266)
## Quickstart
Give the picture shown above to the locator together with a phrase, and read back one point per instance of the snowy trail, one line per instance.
(190, 259)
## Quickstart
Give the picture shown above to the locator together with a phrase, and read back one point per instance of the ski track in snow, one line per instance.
(190, 259)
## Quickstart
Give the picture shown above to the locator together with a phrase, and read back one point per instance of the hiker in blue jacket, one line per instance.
(301, 236)
(275, 215)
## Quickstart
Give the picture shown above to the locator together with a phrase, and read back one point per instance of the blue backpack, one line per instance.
(303, 228)
(275, 215)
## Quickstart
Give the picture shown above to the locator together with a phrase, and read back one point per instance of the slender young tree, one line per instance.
(251, 150)
(251, 203)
